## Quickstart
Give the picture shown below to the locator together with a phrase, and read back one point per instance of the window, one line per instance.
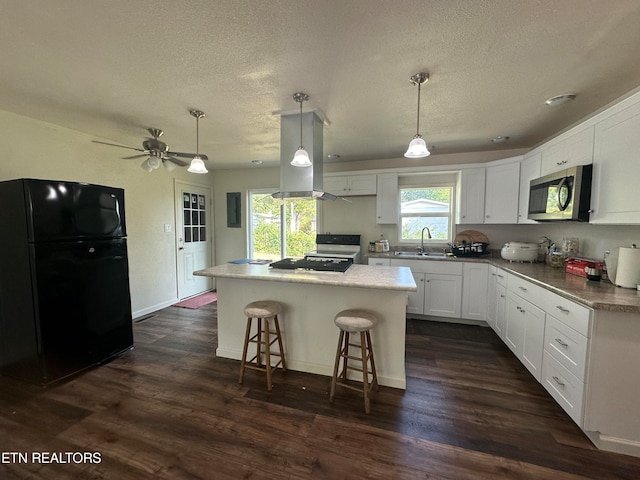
(426, 207)
(279, 228)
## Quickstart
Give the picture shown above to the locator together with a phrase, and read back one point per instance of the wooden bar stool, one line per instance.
(355, 321)
(264, 311)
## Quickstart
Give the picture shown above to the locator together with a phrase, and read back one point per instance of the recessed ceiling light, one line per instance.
(500, 139)
(560, 99)
(333, 155)
(256, 162)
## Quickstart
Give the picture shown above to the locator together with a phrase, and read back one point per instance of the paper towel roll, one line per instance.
(628, 271)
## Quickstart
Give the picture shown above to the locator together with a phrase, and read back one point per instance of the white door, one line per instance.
(194, 233)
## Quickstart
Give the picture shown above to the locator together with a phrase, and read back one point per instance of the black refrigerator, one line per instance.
(65, 303)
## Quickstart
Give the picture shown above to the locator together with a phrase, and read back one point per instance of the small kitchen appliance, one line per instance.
(563, 195)
(520, 252)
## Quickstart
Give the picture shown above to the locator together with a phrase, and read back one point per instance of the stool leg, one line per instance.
(244, 349)
(345, 356)
(277, 325)
(374, 380)
(267, 352)
(259, 344)
(365, 373)
(336, 365)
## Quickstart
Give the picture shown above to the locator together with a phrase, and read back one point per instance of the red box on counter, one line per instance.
(578, 267)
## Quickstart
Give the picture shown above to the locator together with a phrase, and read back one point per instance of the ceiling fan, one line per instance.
(157, 152)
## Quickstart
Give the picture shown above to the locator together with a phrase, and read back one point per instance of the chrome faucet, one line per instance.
(422, 238)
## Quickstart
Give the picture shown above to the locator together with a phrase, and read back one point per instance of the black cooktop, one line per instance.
(314, 263)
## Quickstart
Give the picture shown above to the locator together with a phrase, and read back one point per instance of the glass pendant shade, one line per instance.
(417, 148)
(150, 164)
(301, 158)
(145, 166)
(169, 166)
(197, 166)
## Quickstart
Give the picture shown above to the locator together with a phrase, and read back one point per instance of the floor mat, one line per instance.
(198, 301)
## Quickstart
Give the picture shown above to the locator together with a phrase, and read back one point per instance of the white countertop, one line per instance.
(359, 276)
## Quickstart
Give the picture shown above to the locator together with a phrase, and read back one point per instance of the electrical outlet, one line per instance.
(167, 228)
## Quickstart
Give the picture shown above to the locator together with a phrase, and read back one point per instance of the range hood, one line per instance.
(301, 182)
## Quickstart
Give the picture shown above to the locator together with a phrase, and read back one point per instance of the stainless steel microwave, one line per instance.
(563, 195)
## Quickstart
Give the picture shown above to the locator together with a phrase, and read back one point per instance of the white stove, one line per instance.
(329, 246)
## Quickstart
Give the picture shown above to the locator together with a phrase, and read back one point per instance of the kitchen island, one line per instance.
(311, 300)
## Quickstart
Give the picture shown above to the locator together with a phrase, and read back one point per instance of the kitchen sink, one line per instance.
(419, 255)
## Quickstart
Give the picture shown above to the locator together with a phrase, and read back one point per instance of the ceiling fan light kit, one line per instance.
(158, 153)
(417, 146)
(197, 165)
(301, 157)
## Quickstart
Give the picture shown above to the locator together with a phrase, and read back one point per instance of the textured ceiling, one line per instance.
(113, 69)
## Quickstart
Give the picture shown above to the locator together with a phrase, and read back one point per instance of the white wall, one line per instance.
(231, 243)
(34, 149)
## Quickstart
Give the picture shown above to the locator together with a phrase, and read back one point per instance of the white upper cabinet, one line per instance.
(529, 170)
(344, 185)
(471, 196)
(615, 196)
(576, 149)
(501, 193)
(387, 199)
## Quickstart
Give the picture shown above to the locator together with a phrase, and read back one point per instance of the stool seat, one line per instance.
(262, 309)
(354, 321)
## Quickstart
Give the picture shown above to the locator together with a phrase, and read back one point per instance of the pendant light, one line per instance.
(301, 157)
(418, 147)
(197, 164)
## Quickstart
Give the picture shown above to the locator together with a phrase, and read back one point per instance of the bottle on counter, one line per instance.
(385, 243)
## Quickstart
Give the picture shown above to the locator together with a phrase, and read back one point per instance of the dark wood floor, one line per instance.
(169, 409)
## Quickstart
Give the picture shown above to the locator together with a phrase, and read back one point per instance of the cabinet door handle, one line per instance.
(501, 296)
(558, 381)
(523, 289)
(562, 309)
(561, 343)
(499, 276)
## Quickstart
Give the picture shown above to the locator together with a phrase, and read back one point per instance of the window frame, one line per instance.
(426, 183)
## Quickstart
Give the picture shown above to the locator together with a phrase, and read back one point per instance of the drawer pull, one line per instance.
(562, 309)
(500, 276)
(562, 344)
(501, 296)
(557, 380)
(523, 289)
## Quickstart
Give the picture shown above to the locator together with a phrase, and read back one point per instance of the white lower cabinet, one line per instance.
(474, 291)
(524, 333)
(439, 287)
(442, 295)
(550, 335)
(415, 300)
(564, 387)
(501, 311)
(496, 300)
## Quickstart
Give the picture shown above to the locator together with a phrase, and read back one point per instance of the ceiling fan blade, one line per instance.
(181, 163)
(136, 156)
(187, 155)
(116, 145)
